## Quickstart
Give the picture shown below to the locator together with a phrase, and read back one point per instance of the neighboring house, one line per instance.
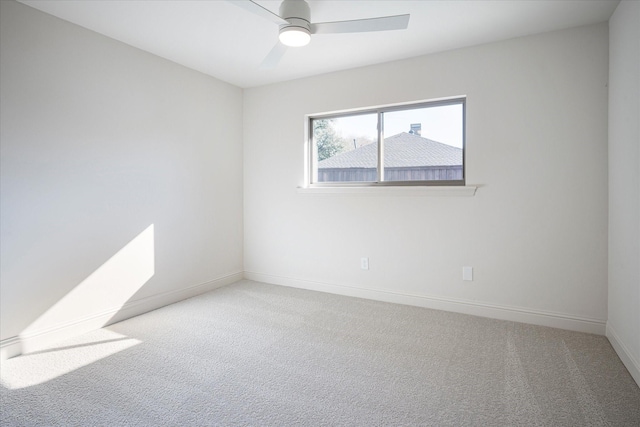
(407, 157)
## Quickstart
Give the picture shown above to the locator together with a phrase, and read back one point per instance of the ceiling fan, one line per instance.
(294, 19)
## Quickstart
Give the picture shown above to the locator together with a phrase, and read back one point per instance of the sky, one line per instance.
(440, 123)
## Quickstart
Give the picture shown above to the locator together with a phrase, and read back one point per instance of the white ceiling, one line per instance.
(227, 42)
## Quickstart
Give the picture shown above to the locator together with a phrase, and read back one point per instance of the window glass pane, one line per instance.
(423, 144)
(345, 149)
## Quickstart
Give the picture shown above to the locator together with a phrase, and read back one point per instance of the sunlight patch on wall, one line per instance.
(100, 295)
(46, 365)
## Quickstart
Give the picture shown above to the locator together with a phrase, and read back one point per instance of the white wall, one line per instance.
(536, 230)
(623, 326)
(111, 158)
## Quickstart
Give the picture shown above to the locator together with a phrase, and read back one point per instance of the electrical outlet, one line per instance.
(364, 263)
(467, 273)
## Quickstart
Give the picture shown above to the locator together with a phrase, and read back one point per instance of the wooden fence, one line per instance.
(425, 173)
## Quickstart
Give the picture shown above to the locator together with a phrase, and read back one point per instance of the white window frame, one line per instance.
(311, 152)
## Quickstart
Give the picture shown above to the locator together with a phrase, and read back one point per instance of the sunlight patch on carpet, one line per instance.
(45, 365)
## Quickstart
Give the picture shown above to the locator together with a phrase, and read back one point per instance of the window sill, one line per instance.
(444, 191)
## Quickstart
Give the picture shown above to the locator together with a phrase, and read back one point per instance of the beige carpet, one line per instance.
(260, 355)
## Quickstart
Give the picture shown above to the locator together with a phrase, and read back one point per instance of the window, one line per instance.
(417, 144)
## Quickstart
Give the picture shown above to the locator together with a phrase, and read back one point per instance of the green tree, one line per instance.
(327, 140)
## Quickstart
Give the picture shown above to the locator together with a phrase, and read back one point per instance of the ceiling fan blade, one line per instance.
(258, 10)
(385, 23)
(273, 57)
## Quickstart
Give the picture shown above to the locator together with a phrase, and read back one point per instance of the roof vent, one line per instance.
(416, 129)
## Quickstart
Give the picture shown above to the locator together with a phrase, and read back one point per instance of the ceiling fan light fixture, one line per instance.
(295, 36)
(294, 19)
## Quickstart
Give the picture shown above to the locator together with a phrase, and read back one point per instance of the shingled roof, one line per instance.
(401, 150)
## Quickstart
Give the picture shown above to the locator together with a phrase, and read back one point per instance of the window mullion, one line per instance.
(380, 146)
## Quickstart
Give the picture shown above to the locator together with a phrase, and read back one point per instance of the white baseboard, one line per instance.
(515, 314)
(42, 338)
(36, 340)
(624, 354)
(10, 348)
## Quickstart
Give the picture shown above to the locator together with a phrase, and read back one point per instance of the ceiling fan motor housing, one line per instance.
(297, 14)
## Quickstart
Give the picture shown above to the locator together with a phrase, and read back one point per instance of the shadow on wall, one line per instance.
(99, 297)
